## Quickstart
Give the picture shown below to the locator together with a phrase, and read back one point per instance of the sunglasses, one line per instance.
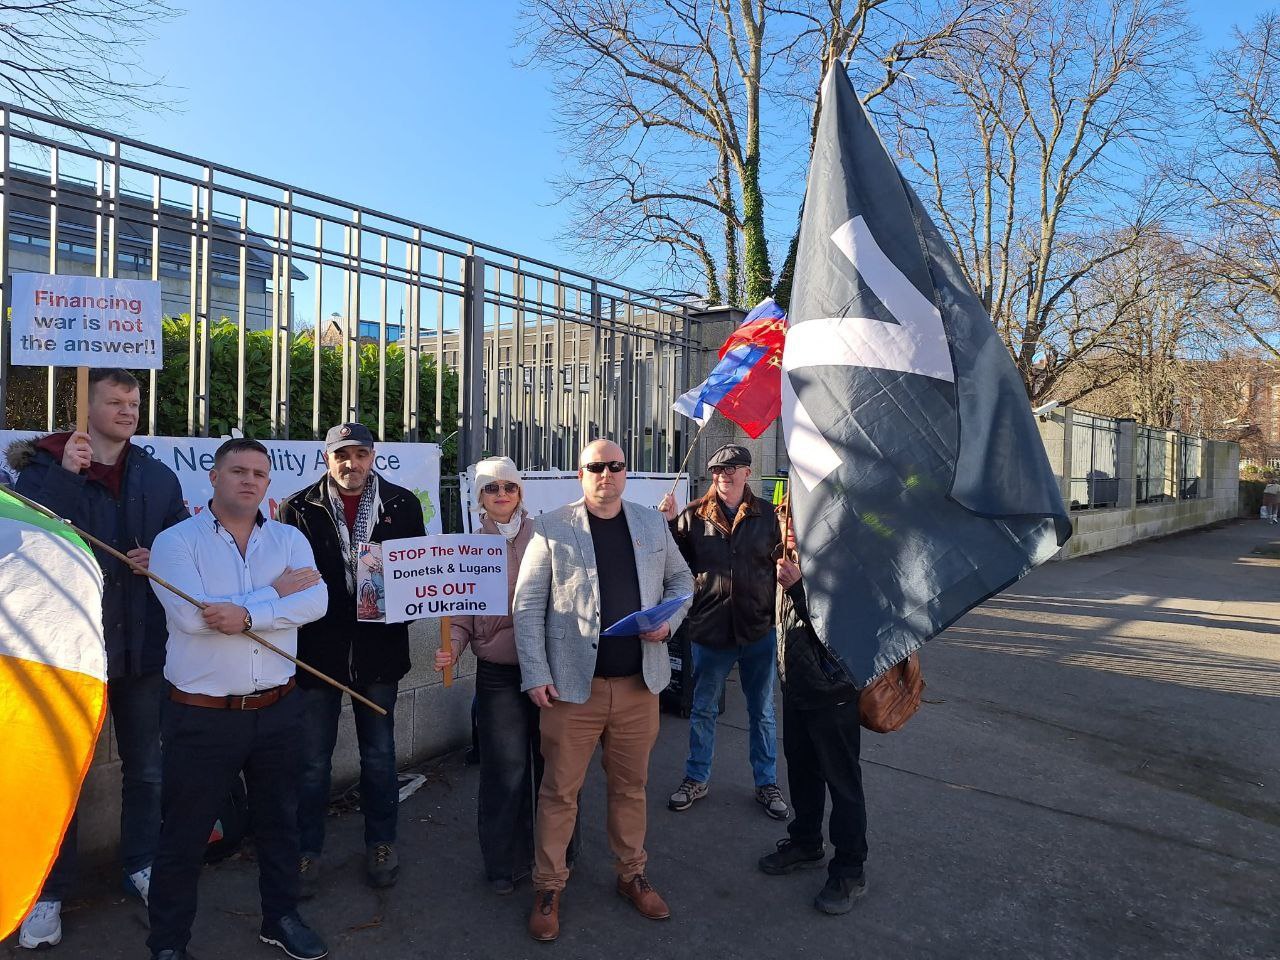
(728, 471)
(493, 488)
(599, 466)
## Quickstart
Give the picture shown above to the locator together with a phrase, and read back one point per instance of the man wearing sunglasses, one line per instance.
(728, 538)
(349, 506)
(589, 565)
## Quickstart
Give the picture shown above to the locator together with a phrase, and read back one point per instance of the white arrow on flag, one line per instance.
(917, 343)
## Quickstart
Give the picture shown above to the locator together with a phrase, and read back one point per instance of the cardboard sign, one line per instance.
(450, 575)
(65, 321)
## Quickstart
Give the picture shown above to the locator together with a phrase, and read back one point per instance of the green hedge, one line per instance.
(25, 407)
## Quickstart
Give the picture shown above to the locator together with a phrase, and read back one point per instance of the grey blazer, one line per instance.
(556, 608)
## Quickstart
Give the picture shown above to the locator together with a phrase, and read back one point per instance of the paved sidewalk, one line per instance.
(1096, 776)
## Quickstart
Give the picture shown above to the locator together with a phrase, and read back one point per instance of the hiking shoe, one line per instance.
(42, 926)
(308, 875)
(139, 884)
(689, 791)
(502, 886)
(294, 937)
(791, 856)
(770, 797)
(382, 865)
(839, 893)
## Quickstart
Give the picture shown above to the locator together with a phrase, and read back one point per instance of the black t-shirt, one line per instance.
(619, 595)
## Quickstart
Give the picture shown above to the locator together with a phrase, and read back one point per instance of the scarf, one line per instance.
(370, 506)
(511, 529)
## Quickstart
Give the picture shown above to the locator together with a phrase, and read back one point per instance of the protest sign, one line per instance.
(67, 321)
(546, 490)
(294, 464)
(441, 576)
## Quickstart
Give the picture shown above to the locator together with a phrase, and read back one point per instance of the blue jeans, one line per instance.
(136, 706)
(379, 785)
(757, 668)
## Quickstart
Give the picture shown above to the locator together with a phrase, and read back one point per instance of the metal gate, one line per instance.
(543, 357)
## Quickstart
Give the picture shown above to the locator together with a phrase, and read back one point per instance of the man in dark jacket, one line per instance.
(348, 507)
(821, 738)
(118, 492)
(728, 538)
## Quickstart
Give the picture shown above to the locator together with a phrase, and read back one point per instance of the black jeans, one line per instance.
(510, 772)
(136, 704)
(379, 783)
(205, 749)
(822, 747)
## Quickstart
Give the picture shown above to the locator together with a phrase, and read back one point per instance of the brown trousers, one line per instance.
(622, 716)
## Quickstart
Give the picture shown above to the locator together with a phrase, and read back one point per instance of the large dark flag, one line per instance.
(920, 485)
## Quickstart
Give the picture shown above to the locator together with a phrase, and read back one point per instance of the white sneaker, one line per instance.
(43, 925)
(139, 884)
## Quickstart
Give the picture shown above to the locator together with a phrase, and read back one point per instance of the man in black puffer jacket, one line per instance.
(348, 506)
(728, 538)
(821, 737)
(115, 490)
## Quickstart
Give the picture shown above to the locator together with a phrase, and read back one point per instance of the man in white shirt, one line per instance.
(229, 707)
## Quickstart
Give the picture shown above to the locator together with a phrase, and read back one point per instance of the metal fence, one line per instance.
(1155, 466)
(1095, 461)
(544, 357)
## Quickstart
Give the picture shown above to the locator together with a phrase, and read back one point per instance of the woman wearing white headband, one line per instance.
(510, 758)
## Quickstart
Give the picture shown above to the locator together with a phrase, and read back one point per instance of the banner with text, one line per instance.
(445, 575)
(546, 490)
(294, 464)
(66, 321)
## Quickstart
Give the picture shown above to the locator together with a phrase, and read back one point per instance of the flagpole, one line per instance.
(689, 453)
(143, 571)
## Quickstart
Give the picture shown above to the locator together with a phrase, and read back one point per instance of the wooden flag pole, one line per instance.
(446, 644)
(143, 571)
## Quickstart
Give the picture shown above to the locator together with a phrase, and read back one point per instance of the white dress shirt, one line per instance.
(199, 557)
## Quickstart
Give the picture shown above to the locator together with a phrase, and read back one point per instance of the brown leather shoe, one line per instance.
(644, 897)
(544, 919)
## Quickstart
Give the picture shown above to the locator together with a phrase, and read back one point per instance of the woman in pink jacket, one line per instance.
(510, 758)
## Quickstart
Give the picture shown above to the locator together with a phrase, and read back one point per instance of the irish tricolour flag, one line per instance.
(53, 692)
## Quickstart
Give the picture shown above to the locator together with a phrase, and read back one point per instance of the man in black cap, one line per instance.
(728, 539)
(344, 512)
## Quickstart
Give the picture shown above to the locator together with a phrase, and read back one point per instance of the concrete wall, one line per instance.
(1106, 528)
(430, 721)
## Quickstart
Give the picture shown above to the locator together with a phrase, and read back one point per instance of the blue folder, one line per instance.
(642, 621)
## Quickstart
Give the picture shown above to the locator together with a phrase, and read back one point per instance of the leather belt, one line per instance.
(248, 701)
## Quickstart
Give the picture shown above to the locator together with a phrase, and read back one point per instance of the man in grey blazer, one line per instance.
(589, 565)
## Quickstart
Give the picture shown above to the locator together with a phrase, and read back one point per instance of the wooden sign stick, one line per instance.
(446, 644)
(82, 399)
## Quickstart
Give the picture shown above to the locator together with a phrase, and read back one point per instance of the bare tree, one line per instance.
(679, 117)
(79, 59)
(1038, 140)
(1238, 174)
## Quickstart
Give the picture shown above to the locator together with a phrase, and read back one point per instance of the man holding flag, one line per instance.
(920, 486)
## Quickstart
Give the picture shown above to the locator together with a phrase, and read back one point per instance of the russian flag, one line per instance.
(746, 385)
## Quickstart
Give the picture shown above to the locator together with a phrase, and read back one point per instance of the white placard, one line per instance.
(66, 321)
(294, 464)
(442, 576)
(550, 489)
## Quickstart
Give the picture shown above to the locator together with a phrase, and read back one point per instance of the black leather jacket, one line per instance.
(812, 677)
(733, 568)
(338, 644)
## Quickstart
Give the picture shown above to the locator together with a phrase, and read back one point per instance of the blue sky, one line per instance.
(415, 108)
